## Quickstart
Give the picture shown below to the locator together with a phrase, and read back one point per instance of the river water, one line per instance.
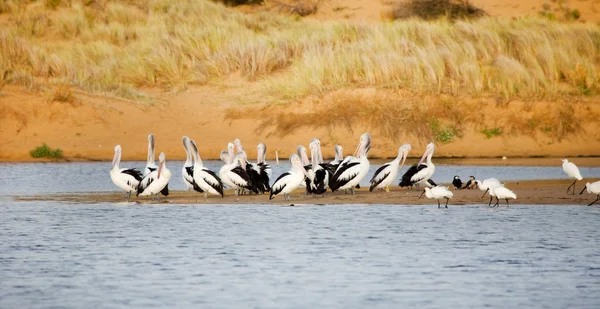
(68, 255)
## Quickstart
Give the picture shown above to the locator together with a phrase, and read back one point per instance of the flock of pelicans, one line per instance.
(316, 175)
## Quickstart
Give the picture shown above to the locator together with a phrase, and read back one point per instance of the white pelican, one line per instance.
(437, 193)
(204, 178)
(353, 169)
(234, 174)
(150, 165)
(592, 188)
(289, 181)
(225, 156)
(573, 172)
(486, 184)
(187, 171)
(124, 178)
(501, 192)
(387, 173)
(157, 181)
(420, 173)
(318, 178)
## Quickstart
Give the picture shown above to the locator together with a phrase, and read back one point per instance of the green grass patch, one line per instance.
(45, 151)
(444, 134)
(489, 133)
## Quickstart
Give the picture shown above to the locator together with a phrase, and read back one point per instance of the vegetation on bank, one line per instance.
(45, 151)
(118, 47)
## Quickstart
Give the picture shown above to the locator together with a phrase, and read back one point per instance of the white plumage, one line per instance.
(124, 178)
(387, 173)
(500, 192)
(150, 165)
(289, 181)
(204, 178)
(592, 188)
(485, 186)
(353, 169)
(573, 172)
(156, 181)
(187, 171)
(438, 192)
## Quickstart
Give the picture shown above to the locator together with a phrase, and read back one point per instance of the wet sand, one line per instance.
(536, 192)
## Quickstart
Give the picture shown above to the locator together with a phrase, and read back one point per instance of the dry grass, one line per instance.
(115, 47)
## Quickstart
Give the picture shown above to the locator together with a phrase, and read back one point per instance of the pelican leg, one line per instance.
(387, 188)
(352, 191)
(158, 197)
(597, 199)
(572, 185)
(447, 199)
(152, 197)
(205, 195)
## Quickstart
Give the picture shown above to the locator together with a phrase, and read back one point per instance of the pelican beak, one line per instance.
(424, 156)
(421, 194)
(115, 159)
(486, 191)
(299, 165)
(320, 155)
(404, 155)
(358, 149)
(160, 167)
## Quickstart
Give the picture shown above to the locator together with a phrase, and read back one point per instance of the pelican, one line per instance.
(301, 150)
(234, 174)
(486, 184)
(593, 188)
(157, 181)
(353, 169)
(124, 178)
(437, 193)
(150, 165)
(204, 178)
(187, 171)
(289, 181)
(333, 165)
(501, 192)
(257, 176)
(387, 173)
(262, 166)
(420, 173)
(318, 178)
(573, 172)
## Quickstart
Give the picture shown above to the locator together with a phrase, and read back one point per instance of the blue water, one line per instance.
(258, 256)
(120, 255)
(43, 178)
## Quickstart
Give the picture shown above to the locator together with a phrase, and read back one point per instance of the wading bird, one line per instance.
(500, 192)
(289, 181)
(485, 186)
(157, 181)
(387, 173)
(573, 172)
(353, 168)
(438, 192)
(124, 178)
(592, 188)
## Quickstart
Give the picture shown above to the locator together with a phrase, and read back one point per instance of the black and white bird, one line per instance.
(258, 175)
(471, 184)
(124, 178)
(204, 178)
(420, 173)
(289, 181)
(234, 174)
(264, 168)
(157, 181)
(592, 188)
(457, 183)
(187, 171)
(571, 169)
(353, 168)
(318, 175)
(387, 173)
(150, 165)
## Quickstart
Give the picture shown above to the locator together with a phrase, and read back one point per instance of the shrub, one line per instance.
(46, 152)
(433, 9)
(444, 134)
(489, 133)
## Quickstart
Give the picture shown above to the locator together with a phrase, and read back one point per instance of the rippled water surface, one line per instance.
(54, 255)
(67, 255)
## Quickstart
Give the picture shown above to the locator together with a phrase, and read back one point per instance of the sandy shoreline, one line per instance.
(536, 192)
